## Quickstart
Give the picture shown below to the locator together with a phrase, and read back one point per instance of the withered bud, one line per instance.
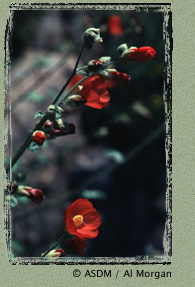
(92, 36)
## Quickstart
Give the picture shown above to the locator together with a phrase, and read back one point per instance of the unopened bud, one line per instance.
(34, 194)
(54, 112)
(75, 101)
(92, 36)
(56, 253)
(39, 137)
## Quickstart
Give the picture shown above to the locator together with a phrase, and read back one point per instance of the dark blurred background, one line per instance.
(131, 198)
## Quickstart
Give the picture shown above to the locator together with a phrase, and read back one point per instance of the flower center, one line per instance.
(78, 219)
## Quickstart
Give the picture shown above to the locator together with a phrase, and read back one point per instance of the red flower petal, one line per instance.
(75, 80)
(88, 233)
(141, 54)
(94, 91)
(120, 78)
(105, 97)
(91, 219)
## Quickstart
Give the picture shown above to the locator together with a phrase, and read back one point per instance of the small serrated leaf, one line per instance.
(38, 114)
(33, 147)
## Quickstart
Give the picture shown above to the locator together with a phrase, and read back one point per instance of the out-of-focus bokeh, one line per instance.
(131, 198)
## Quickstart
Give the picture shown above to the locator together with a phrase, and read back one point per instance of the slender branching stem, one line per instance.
(43, 120)
(72, 75)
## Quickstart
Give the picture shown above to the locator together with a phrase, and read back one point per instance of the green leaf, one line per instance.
(38, 114)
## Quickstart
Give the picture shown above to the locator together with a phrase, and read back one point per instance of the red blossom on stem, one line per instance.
(39, 137)
(139, 54)
(82, 219)
(95, 93)
(115, 25)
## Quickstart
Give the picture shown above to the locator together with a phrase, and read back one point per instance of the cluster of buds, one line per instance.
(53, 127)
(101, 68)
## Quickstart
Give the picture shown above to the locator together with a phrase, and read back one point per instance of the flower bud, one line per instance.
(48, 125)
(75, 101)
(56, 253)
(54, 112)
(92, 36)
(39, 137)
(135, 54)
(34, 194)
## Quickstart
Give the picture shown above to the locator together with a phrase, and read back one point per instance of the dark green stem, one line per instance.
(72, 75)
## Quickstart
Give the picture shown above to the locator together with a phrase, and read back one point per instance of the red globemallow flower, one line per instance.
(34, 194)
(76, 245)
(82, 219)
(95, 93)
(39, 137)
(138, 54)
(115, 25)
